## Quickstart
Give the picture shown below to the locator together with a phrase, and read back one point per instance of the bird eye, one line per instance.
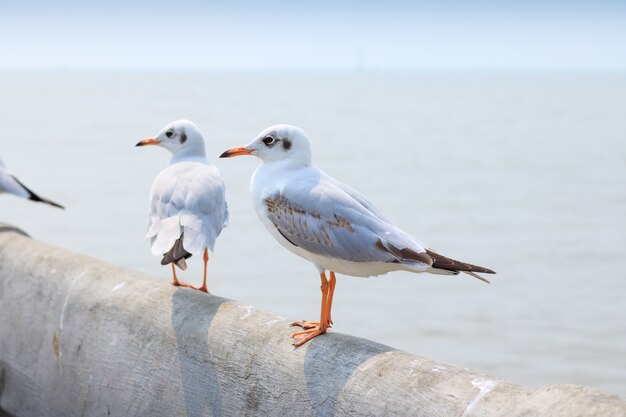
(169, 133)
(268, 140)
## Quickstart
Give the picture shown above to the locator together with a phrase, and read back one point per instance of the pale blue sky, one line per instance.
(320, 35)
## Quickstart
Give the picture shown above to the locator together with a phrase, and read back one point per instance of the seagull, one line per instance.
(328, 223)
(10, 184)
(187, 200)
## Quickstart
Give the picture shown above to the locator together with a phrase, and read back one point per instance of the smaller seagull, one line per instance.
(10, 184)
(328, 223)
(187, 200)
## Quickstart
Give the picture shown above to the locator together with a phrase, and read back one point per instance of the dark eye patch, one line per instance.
(183, 137)
(286, 144)
(169, 133)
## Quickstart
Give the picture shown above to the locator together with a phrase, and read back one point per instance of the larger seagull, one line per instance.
(328, 223)
(10, 184)
(187, 200)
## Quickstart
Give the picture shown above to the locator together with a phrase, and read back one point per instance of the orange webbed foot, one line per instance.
(306, 325)
(202, 289)
(307, 335)
(177, 283)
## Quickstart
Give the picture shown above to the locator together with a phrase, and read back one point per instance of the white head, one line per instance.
(277, 143)
(181, 137)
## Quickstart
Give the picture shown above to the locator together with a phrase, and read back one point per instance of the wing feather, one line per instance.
(188, 200)
(9, 183)
(324, 219)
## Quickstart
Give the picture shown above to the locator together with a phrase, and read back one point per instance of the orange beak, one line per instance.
(236, 152)
(148, 141)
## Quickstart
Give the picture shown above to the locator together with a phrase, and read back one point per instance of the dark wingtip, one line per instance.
(470, 273)
(177, 255)
(52, 203)
(34, 197)
(443, 262)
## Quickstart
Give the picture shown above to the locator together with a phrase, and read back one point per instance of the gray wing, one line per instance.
(9, 184)
(324, 219)
(364, 201)
(187, 199)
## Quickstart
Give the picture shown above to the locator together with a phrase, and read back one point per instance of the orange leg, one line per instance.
(321, 327)
(176, 282)
(331, 293)
(206, 259)
(306, 325)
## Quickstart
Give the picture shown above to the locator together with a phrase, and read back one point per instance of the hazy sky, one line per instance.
(314, 35)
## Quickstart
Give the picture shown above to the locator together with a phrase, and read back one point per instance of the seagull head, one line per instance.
(277, 143)
(179, 137)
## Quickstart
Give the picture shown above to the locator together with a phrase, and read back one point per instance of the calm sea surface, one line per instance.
(522, 173)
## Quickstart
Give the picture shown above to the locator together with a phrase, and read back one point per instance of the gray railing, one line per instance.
(79, 337)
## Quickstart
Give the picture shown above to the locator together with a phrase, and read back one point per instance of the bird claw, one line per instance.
(177, 283)
(306, 335)
(306, 325)
(202, 289)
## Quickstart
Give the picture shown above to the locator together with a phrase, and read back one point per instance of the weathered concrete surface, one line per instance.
(82, 338)
(3, 414)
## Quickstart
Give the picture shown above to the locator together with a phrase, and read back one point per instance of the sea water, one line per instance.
(521, 173)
